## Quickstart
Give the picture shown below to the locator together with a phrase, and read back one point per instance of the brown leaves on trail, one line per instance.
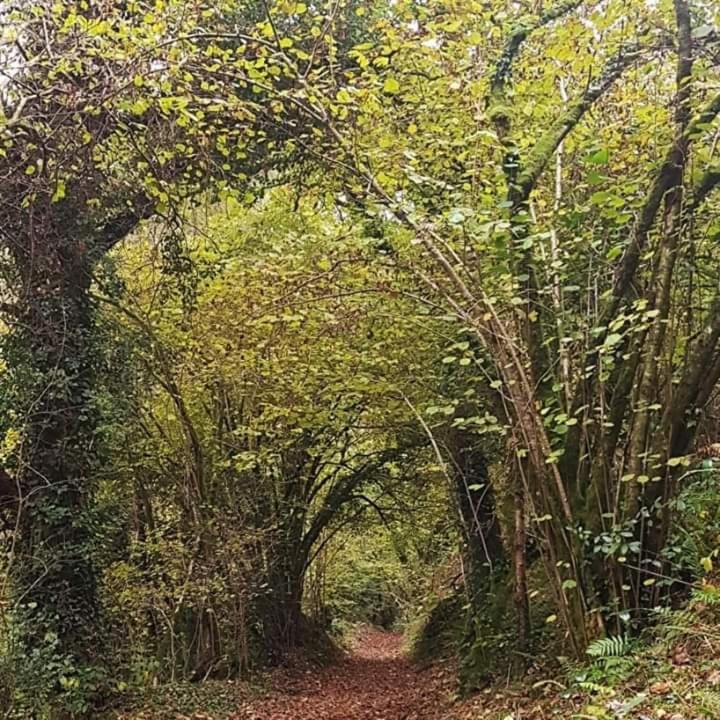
(374, 682)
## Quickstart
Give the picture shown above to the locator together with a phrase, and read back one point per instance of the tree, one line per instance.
(273, 403)
(104, 124)
(602, 434)
(436, 126)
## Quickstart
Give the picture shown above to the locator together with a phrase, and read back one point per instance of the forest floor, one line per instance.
(376, 680)
(373, 681)
(675, 678)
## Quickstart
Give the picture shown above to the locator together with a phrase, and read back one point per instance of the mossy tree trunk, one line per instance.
(52, 356)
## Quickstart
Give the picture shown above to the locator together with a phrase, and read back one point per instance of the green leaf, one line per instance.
(600, 157)
(456, 216)
(391, 86)
(703, 31)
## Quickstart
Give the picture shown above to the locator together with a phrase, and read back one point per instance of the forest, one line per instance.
(359, 359)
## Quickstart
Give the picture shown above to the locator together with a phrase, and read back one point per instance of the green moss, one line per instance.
(485, 640)
(500, 113)
(489, 643)
(440, 631)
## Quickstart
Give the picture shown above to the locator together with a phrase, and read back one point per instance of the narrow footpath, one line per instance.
(375, 681)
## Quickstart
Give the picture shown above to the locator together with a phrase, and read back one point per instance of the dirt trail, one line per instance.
(374, 682)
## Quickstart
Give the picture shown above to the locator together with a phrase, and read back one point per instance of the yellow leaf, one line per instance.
(59, 193)
(343, 96)
(391, 86)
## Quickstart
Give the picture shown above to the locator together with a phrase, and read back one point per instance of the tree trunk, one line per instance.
(475, 498)
(56, 609)
(281, 604)
(522, 605)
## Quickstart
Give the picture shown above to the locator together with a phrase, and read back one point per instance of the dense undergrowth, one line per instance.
(669, 670)
(673, 670)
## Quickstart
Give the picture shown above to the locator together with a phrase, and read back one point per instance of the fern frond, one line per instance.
(614, 646)
(707, 595)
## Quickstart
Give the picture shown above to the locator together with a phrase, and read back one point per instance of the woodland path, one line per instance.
(375, 681)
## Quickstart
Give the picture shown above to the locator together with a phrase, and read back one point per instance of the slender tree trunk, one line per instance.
(522, 605)
(475, 498)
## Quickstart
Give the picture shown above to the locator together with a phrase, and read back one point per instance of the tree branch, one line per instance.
(526, 26)
(666, 179)
(707, 183)
(120, 226)
(546, 146)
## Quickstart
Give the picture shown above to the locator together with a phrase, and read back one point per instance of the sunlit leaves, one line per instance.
(391, 86)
